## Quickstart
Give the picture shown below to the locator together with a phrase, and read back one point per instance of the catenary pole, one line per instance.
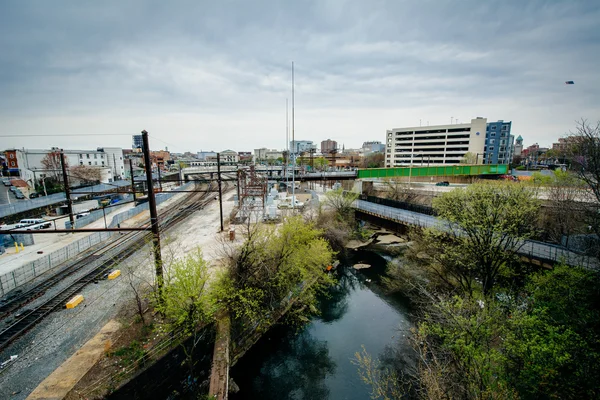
(153, 216)
(67, 189)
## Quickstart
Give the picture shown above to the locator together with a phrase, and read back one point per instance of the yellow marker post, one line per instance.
(114, 274)
(74, 302)
(17, 247)
(22, 247)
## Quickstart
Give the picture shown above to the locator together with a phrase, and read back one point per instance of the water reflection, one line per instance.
(315, 362)
(296, 367)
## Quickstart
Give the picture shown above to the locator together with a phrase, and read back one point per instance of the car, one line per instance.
(14, 189)
(443, 183)
(19, 195)
(34, 195)
(6, 182)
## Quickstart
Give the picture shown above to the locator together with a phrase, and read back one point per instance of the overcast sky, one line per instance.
(215, 75)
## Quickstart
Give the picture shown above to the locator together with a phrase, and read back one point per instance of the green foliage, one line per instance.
(384, 382)
(274, 265)
(485, 226)
(130, 354)
(541, 344)
(186, 303)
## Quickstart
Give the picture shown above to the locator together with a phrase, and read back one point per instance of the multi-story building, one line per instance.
(301, 146)
(435, 145)
(204, 155)
(372, 147)
(229, 157)
(160, 159)
(267, 154)
(137, 143)
(518, 148)
(328, 145)
(498, 143)
(32, 164)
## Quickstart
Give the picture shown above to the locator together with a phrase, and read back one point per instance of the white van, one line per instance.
(34, 223)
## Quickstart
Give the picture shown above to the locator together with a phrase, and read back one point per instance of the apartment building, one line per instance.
(435, 145)
(29, 165)
(499, 143)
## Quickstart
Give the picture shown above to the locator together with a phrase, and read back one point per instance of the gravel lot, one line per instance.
(51, 342)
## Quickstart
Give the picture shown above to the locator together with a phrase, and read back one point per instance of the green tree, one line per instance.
(469, 158)
(275, 265)
(186, 302)
(484, 225)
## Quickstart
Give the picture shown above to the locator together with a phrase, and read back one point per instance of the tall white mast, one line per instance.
(295, 146)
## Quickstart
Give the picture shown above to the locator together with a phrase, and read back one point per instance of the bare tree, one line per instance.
(85, 174)
(398, 190)
(586, 159)
(51, 162)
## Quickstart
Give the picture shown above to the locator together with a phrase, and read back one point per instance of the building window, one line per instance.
(88, 156)
(12, 163)
(12, 156)
(95, 162)
(103, 163)
(493, 127)
(80, 162)
(95, 155)
(491, 148)
(492, 141)
(493, 134)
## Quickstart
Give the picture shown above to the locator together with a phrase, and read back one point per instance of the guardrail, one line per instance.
(530, 248)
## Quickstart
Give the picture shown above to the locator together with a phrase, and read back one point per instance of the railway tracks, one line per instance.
(98, 262)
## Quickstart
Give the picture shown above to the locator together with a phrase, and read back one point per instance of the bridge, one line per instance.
(533, 250)
(272, 172)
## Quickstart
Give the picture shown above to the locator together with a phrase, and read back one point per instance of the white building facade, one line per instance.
(108, 159)
(435, 145)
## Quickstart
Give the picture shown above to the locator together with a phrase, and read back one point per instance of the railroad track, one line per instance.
(118, 250)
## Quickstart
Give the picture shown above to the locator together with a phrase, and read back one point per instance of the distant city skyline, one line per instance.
(204, 75)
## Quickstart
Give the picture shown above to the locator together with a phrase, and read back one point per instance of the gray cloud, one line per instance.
(216, 74)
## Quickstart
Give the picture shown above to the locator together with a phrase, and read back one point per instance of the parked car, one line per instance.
(34, 195)
(34, 223)
(443, 183)
(14, 189)
(6, 182)
(19, 195)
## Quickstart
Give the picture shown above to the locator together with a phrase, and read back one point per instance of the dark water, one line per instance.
(315, 363)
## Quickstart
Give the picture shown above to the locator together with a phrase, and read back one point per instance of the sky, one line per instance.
(215, 75)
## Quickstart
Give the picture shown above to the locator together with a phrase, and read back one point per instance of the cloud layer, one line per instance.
(215, 75)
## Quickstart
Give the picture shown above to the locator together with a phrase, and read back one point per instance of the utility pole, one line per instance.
(293, 149)
(159, 177)
(67, 189)
(219, 183)
(132, 179)
(115, 167)
(153, 216)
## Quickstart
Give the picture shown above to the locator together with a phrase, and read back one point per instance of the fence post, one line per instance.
(14, 278)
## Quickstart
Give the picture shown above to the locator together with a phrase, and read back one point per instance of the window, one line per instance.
(80, 162)
(493, 127)
(12, 163)
(12, 156)
(95, 155)
(81, 156)
(89, 163)
(491, 148)
(95, 162)
(103, 163)
(493, 134)
(88, 156)
(492, 141)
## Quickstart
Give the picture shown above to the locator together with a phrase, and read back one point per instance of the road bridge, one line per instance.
(533, 250)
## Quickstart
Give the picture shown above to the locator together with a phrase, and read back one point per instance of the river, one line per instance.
(316, 362)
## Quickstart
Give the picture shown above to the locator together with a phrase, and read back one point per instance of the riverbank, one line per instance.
(316, 360)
